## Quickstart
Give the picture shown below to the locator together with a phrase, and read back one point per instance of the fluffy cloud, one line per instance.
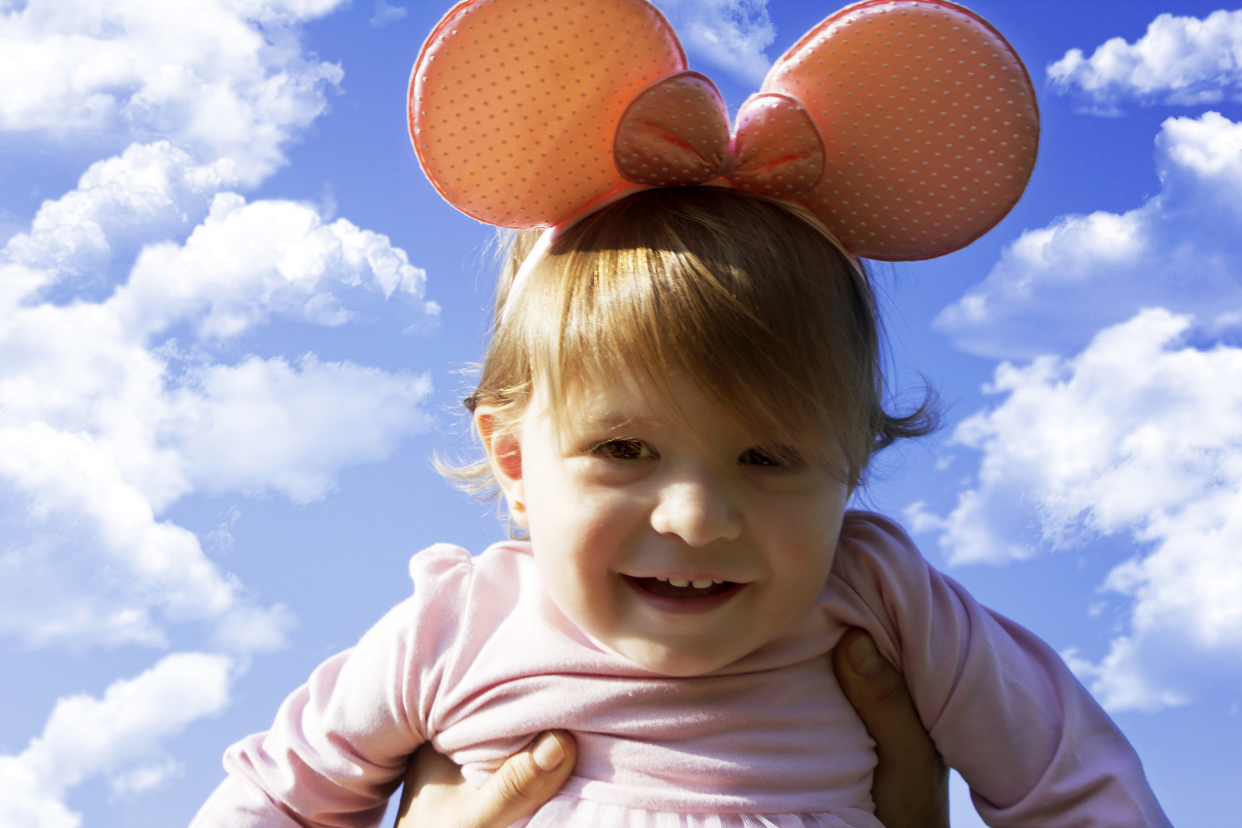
(1180, 60)
(84, 558)
(262, 424)
(119, 735)
(220, 79)
(85, 561)
(126, 309)
(1056, 286)
(1139, 435)
(249, 261)
(729, 34)
(149, 192)
(105, 421)
(385, 14)
(103, 424)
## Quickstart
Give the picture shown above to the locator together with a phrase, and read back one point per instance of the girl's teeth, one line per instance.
(682, 582)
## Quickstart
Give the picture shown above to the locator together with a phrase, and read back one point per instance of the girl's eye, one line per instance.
(783, 457)
(622, 449)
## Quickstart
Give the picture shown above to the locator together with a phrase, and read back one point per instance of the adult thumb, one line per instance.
(527, 780)
(436, 794)
(911, 784)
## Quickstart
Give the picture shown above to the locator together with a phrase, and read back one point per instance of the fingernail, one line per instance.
(548, 753)
(863, 656)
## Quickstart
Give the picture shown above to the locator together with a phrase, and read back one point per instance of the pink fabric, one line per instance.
(479, 661)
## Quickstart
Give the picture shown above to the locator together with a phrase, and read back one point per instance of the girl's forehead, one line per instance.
(625, 394)
(674, 405)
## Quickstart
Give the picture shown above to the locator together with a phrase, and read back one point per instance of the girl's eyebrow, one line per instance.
(615, 420)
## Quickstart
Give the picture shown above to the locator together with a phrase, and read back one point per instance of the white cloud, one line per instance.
(385, 14)
(220, 541)
(249, 261)
(145, 777)
(127, 308)
(1180, 60)
(220, 79)
(102, 426)
(84, 558)
(1140, 435)
(85, 562)
(104, 421)
(263, 425)
(119, 735)
(729, 34)
(89, 366)
(1056, 286)
(149, 192)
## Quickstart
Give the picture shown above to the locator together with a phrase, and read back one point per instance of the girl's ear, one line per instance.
(504, 453)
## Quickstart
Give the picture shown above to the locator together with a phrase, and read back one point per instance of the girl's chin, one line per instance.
(680, 658)
(672, 662)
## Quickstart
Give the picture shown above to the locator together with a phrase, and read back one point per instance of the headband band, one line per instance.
(908, 128)
(549, 237)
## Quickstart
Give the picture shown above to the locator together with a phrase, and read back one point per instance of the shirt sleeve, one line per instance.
(1000, 704)
(340, 743)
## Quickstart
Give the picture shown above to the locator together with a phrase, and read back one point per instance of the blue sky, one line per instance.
(234, 320)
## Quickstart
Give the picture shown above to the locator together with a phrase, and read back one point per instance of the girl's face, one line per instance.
(680, 547)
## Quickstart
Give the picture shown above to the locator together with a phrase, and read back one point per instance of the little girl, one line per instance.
(681, 393)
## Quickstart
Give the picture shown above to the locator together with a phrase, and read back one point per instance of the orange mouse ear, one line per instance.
(929, 122)
(514, 104)
(908, 127)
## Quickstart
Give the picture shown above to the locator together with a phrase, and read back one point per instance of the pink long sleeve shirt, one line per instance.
(479, 661)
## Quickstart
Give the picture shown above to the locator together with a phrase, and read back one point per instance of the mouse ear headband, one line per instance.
(908, 128)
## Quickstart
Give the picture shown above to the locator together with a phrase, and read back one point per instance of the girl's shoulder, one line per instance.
(446, 572)
(881, 583)
(447, 559)
(877, 562)
(868, 537)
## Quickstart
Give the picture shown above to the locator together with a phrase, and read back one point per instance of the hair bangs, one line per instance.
(739, 295)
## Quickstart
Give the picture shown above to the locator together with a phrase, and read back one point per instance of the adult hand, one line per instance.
(437, 796)
(911, 783)
(911, 786)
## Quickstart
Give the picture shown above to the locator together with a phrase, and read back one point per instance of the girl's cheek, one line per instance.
(598, 472)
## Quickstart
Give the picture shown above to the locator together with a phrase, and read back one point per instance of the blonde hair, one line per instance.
(741, 295)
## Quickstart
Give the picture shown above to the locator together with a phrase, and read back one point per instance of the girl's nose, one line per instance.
(698, 511)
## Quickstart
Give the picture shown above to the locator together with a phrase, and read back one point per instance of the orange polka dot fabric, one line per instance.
(929, 120)
(676, 132)
(779, 153)
(514, 103)
(908, 127)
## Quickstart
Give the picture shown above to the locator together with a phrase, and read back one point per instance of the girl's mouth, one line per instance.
(681, 588)
(669, 595)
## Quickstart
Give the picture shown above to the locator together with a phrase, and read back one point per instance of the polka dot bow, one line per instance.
(908, 127)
